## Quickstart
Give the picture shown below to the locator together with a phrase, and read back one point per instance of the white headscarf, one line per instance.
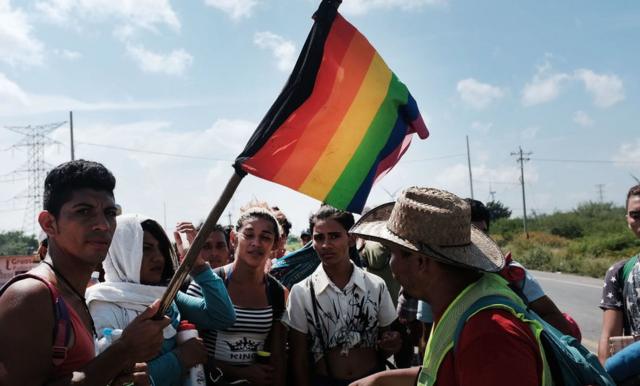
(122, 268)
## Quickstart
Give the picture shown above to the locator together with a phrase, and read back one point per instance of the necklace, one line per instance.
(82, 299)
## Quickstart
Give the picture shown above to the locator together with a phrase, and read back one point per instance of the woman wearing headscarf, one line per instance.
(137, 269)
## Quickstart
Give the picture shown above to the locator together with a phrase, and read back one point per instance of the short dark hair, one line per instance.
(217, 228)
(633, 191)
(328, 212)
(73, 175)
(164, 245)
(479, 212)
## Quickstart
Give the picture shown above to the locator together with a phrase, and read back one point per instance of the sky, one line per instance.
(166, 93)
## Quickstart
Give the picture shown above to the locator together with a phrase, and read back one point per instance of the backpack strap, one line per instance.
(275, 293)
(491, 301)
(222, 274)
(62, 319)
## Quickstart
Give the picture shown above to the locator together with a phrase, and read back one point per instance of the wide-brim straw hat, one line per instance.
(435, 223)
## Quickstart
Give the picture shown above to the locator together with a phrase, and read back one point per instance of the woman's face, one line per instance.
(152, 261)
(255, 241)
(331, 241)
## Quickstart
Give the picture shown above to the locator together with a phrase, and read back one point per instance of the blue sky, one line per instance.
(194, 77)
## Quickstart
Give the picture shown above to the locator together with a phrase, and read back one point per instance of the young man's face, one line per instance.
(84, 227)
(331, 241)
(633, 214)
(216, 249)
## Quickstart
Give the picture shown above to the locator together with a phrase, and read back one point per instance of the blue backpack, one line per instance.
(571, 364)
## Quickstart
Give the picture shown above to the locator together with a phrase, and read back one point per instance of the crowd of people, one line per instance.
(414, 292)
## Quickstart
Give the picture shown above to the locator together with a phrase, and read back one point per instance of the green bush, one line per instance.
(568, 230)
(536, 257)
(586, 240)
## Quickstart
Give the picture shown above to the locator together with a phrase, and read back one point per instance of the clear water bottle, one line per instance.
(109, 335)
(196, 376)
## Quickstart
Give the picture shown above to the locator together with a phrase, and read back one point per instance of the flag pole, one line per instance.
(197, 244)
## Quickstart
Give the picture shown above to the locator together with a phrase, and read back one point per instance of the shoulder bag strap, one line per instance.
(318, 325)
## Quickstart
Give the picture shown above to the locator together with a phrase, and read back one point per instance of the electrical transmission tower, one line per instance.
(35, 140)
(600, 192)
(521, 158)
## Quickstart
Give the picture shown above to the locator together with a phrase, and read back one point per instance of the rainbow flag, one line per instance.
(342, 121)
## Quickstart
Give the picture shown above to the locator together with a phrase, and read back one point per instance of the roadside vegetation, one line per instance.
(584, 241)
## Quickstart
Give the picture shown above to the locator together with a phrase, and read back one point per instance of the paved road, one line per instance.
(579, 297)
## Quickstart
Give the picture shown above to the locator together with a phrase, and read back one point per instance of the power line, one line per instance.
(435, 158)
(154, 152)
(588, 161)
(496, 182)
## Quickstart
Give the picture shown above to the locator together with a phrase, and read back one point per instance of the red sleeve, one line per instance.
(497, 348)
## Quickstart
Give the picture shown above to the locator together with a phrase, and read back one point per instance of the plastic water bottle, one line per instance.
(196, 376)
(109, 335)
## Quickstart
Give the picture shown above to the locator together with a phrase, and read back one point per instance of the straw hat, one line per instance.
(435, 223)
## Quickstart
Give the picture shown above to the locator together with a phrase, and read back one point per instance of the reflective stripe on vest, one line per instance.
(442, 334)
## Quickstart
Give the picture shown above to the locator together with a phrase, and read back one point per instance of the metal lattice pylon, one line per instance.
(35, 140)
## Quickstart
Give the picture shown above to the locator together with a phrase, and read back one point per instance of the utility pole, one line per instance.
(600, 192)
(492, 193)
(469, 164)
(164, 213)
(73, 153)
(521, 158)
(34, 139)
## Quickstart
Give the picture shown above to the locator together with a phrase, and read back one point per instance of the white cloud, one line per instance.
(478, 95)
(582, 118)
(11, 93)
(606, 90)
(236, 9)
(628, 153)
(68, 54)
(359, 7)
(455, 178)
(544, 87)
(482, 127)
(284, 51)
(529, 133)
(174, 63)
(17, 45)
(145, 14)
(232, 134)
(15, 101)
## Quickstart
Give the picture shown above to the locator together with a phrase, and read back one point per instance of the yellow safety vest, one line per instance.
(442, 333)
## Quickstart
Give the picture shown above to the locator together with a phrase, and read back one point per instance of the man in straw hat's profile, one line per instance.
(439, 257)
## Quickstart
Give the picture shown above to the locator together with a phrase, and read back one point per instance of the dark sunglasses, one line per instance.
(635, 214)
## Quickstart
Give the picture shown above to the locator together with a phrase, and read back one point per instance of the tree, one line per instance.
(497, 210)
(17, 243)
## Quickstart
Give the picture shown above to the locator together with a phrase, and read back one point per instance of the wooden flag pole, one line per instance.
(197, 244)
